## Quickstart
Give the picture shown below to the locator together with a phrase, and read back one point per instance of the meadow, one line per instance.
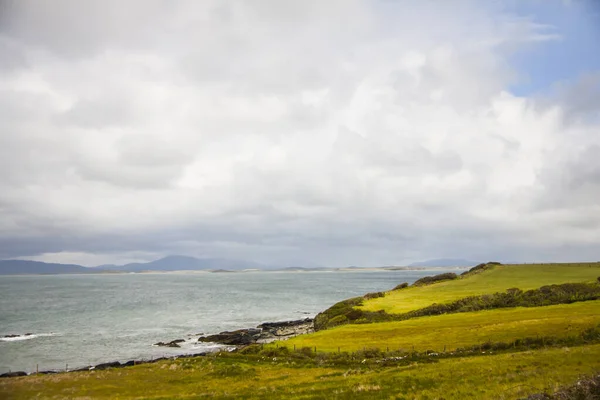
(497, 279)
(453, 331)
(235, 376)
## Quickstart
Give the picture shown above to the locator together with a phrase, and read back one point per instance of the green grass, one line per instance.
(457, 330)
(281, 374)
(497, 279)
(501, 376)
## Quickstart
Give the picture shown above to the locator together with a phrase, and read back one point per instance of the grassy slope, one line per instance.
(512, 375)
(457, 330)
(498, 279)
(502, 376)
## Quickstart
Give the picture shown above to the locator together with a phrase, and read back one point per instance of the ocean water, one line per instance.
(80, 320)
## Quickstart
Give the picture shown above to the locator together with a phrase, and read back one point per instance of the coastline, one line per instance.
(266, 332)
(244, 271)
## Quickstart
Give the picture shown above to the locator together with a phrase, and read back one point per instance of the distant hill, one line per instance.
(19, 267)
(444, 262)
(169, 263)
(185, 263)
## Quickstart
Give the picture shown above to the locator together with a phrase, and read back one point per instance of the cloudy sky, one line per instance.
(339, 132)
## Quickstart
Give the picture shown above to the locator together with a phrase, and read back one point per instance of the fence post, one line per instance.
(66, 367)
(315, 349)
(37, 368)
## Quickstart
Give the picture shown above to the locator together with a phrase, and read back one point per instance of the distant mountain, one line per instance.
(20, 267)
(185, 263)
(444, 262)
(169, 263)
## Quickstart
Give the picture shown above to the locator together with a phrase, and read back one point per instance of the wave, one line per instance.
(26, 336)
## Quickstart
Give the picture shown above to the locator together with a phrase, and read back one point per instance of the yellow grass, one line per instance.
(457, 330)
(498, 279)
(503, 376)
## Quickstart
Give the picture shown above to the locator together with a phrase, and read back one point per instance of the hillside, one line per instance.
(25, 267)
(166, 264)
(496, 352)
(496, 279)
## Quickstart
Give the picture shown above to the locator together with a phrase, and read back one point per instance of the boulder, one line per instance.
(265, 332)
(239, 337)
(275, 330)
(129, 363)
(172, 343)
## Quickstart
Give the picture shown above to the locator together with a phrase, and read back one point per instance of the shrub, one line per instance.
(337, 320)
(373, 295)
(338, 309)
(427, 280)
(405, 285)
(544, 296)
(481, 267)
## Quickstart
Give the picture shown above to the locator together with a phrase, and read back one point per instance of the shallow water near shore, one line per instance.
(84, 320)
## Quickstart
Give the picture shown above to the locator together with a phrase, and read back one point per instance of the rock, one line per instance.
(10, 336)
(239, 337)
(13, 374)
(172, 343)
(265, 332)
(286, 328)
(82, 369)
(114, 364)
(129, 363)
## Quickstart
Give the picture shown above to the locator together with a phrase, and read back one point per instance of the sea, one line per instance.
(73, 321)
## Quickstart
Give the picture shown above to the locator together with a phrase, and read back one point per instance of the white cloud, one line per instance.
(334, 133)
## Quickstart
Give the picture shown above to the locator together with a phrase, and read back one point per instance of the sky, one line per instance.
(335, 133)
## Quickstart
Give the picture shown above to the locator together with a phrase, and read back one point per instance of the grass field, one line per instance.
(502, 376)
(457, 330)
(497, 279)
(280, 373)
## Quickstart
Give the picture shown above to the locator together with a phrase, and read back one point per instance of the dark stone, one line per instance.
(170, 344)
(284, 324)
(239, 337)
(13, 374)
(50, 372)
(11, 336)
(128, 363)
(287, 329)
(114, 364)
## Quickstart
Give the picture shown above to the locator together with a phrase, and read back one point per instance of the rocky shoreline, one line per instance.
(264, 333)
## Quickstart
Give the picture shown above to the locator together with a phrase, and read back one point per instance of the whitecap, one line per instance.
(26, 336)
